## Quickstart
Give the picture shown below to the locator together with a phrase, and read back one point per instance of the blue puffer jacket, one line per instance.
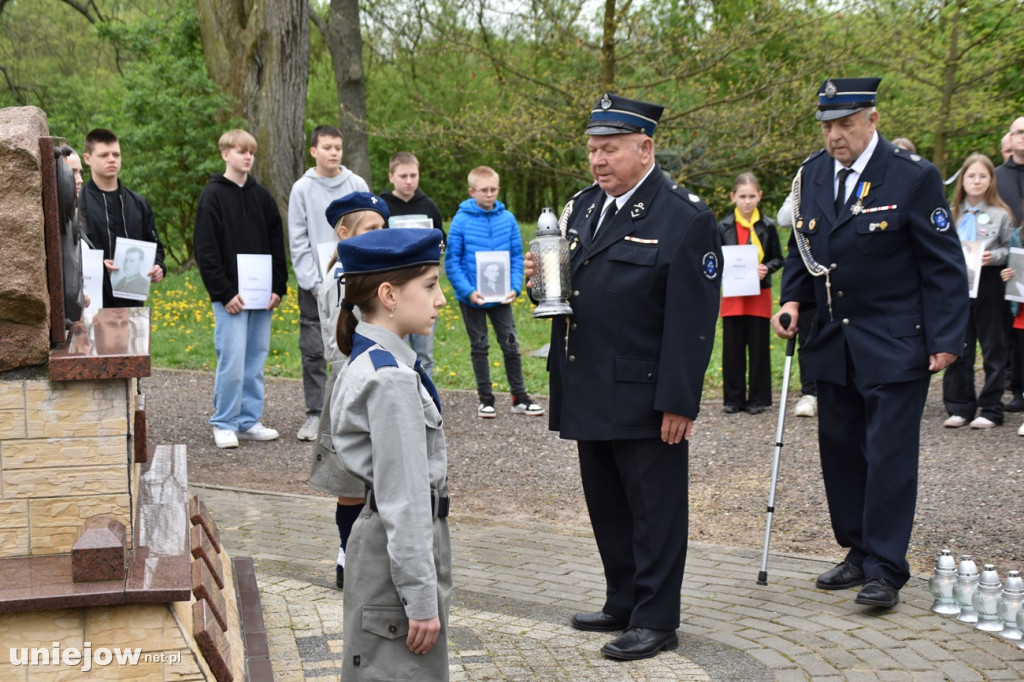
(474, 229)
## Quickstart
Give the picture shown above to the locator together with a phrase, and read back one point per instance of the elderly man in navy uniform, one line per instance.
(874, 248)
(628, 368)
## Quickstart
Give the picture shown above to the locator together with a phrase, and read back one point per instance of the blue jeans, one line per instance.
(242, 342)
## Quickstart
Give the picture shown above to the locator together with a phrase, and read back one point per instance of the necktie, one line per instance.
(428, 384)
(606, 215)
(841, 192)
(968, 227)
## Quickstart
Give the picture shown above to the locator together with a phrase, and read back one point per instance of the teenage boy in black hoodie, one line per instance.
(408, 199)
(111, 210)
(237, 215)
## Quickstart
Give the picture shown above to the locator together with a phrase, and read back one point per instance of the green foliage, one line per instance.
(168, 114)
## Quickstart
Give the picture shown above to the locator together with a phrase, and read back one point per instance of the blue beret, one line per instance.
(383, 250)
(615, 115)
(357, 201)
(839, 97)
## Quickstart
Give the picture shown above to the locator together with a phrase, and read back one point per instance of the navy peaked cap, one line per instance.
(357, 201)
(838, 97)
(615, 115)
(383, 250)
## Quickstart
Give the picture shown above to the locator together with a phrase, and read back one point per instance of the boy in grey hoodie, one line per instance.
(307, 230)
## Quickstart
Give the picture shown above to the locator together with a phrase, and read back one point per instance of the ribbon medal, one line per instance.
(861, 191)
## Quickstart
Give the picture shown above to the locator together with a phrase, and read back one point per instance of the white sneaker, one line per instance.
(1020, 431)
(311, 428)
(225, 438)
(807, 406)
(258, 432)
(982, 423)
(954, 422)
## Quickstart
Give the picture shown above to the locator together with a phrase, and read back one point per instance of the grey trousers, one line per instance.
(311, 345)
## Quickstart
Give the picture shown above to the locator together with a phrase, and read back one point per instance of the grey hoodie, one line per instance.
(307, 224)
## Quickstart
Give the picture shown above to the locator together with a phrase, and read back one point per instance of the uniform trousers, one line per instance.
(375, 624)
(742, 334)
(637, 493)
(311, 346)
(803, 328)
(985, 324)
(869, 440)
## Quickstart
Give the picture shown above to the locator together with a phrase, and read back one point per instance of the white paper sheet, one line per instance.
(255, 279)
(324, 252)
(92, 276)
(739, 271)
(1015, 287)
(972, 257)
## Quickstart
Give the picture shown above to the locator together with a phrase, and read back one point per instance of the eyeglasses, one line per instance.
(1017, 133)
(486, 190)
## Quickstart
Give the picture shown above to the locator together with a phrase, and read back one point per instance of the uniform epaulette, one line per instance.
(686, 194)
(382, 358)
(901, 153)
(814, 156)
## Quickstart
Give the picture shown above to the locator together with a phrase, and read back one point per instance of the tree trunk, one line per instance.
(345, 43)
(258, 51)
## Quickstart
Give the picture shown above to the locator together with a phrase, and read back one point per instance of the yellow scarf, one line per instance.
(749, 224)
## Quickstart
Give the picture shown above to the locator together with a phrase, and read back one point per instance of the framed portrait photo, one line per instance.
(493, 273)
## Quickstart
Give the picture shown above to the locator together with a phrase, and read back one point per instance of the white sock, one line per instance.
(341, 556)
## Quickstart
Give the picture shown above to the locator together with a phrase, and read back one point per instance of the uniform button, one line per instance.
(846, 320)
(833, 267)
(586, 262)
(917, 326)
(392, 629)
(405, 601)
(573, 326)
(572, 358)
(650, 375)
(576, 293)
(840, 294)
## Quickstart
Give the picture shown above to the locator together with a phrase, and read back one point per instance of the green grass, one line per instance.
(183, 338)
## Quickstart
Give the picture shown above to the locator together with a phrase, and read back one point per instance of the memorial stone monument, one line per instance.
(108, 567)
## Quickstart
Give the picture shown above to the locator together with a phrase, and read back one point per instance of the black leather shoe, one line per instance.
(878, 592)
(339, 576)
(598, 621)
(1015, 405)
(755, 409)
(637, 643)
(731, 409)
(840, 577)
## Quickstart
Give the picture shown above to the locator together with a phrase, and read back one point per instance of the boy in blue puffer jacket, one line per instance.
(483, 224)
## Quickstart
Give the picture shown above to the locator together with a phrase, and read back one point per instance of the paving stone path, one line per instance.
(516, 584)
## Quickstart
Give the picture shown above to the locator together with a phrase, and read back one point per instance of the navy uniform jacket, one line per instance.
(645, 299)
(899, 284)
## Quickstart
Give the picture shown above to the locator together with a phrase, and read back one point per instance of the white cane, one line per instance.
(784, 321)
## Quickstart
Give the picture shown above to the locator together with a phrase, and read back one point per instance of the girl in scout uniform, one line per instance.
(981, 216)
(387, 429)
(351, 215)
(745, 319)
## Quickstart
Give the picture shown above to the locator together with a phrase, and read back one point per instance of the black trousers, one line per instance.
(742, 334)
(987, 325)
(869, 438)
(637, 494)
(803, 327)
